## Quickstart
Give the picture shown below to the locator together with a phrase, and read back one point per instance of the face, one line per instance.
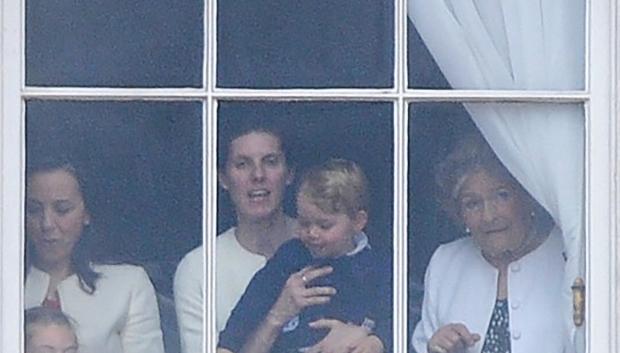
(55, 215)
(327, 235)
(256, 176)
(52, 339)
(495, 211)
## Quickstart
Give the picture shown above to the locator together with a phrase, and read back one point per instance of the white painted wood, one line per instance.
(603, 193)
(11, 188)
(601, 138)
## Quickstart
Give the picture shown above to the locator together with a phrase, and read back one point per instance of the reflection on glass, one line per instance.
(505, 221)
(496, 45)
(276, 43)
(114, 43)
(111, 186)
(276, 158)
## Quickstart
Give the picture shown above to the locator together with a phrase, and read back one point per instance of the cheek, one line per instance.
(32, 226)
(72, 227)
(471, 221)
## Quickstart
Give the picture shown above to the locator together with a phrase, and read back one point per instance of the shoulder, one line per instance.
(129, 275)
(189, 273)
(226, 239)
(455, 253)
(192, 261)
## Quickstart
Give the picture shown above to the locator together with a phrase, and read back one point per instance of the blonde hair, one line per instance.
(43, 317)
(336, 186)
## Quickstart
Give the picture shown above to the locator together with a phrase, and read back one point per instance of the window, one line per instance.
(35, 77)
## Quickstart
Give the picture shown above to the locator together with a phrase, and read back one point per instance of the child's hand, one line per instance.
(342, 338)
(295, 295)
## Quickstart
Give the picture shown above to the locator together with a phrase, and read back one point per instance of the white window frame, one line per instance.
(600, 99)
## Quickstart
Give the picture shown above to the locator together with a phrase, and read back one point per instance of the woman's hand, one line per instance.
(344, 338)
(452, 338)
(296, 295)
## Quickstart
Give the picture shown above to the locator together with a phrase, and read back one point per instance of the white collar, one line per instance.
(361, 242)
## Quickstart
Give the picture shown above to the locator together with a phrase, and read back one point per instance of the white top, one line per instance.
(235, 267)
(461, 287)
(189, 281)
(121, 316)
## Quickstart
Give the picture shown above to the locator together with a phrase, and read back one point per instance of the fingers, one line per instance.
(324, 323)
(308, 274)
(467, 337)
(369, 344)
(319, 291)
(451, 338)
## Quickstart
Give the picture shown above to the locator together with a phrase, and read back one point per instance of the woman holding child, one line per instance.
(114, 305)
(497, 289)
(329, 272)
(255, 169)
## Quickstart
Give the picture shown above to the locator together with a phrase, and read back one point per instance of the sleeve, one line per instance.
(257, 300)
(188, 299)
(381, 307)
(429, 323)
(142, 330)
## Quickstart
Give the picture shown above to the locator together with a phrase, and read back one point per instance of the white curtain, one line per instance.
(529, 45)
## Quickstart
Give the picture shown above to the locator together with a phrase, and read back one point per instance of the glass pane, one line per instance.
(495, 223)
(496, 45)
(276, 43)
(111, 184)
(261, 145)
(114, 43)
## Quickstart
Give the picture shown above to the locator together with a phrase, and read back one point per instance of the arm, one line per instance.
(295, 296)
(188, 297)
(431, 335)
(142, 330)
(344, 338)
(243, 335)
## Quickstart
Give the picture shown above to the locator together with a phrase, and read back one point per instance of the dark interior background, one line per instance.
(145, 157)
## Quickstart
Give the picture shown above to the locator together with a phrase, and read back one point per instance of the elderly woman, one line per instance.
(497, 289)
(48, 330)
(114, 305)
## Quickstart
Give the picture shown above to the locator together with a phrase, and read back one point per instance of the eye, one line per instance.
(504, 194)
(63, 207)
(242, 164)
(272, 160)
(471, 204)
(325, 226)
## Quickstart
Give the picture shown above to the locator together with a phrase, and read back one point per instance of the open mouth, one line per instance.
(258, 195)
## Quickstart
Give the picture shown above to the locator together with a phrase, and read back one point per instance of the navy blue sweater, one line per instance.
(363, 292)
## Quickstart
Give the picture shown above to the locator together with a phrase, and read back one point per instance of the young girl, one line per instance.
(48, 331)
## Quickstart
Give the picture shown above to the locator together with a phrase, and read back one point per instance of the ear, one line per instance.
(290, 176)
(223, 179)
(360, 220)
(87, 218)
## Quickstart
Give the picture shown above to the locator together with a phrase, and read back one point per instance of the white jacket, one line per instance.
(461, 287)
(121, 316)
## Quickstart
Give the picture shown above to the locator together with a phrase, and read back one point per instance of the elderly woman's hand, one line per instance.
(296, 295)
(344, 338)
(452, 338)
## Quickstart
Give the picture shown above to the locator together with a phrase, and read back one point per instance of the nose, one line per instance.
(258, 172)
(312, 232)
(47, 220)
(490, 211)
